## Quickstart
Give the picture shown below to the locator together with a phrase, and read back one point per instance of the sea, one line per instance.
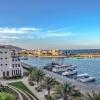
(84, 65)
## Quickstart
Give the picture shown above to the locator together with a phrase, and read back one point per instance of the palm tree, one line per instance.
(49, 82)
(65, 91)
(93, 96)
(32, 75)
(37, 76)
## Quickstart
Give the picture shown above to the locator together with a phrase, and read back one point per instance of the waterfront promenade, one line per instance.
(83, 87)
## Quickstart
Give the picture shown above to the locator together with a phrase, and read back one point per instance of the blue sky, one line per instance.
(47, 24)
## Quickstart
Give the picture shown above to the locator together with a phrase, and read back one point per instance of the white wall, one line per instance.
(6, 62)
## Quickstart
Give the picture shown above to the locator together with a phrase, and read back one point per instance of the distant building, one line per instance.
(55, 52)
(39, 52)
(10, 64)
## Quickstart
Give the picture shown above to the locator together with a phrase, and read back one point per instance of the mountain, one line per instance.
(11, 47)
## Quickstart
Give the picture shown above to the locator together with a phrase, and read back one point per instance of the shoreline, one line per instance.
(50, 56)
(64, 57)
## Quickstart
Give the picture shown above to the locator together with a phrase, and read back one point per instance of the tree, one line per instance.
(49, 82)
(65, 91)
(37, 76)
(93, 96)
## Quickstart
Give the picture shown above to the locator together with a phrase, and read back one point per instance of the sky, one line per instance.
(50, 24)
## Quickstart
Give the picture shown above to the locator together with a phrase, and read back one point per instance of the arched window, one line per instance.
(16, 72)
(12, 72)
(20, 71)
(3, 74)
(7, 73)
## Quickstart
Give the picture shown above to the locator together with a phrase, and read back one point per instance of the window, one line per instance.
(6, 58)
(7, 73)
(1, 58)
(12, 59)
(1, 64)
(18, 65)
(12, 72)
(16, 72)
(6, 64)
(1, 52)
(3, 74)
(13, 65)
(5, 51)
(20, 71)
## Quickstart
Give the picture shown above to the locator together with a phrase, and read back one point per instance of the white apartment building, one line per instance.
(10, 64)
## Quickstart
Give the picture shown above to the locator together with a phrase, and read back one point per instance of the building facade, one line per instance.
(10, 64)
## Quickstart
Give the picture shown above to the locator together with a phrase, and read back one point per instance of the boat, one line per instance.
(69, 72)
(62, 68)
(85, 78)
(50, 66)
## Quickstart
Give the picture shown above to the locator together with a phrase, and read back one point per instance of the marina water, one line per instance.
(90, 66)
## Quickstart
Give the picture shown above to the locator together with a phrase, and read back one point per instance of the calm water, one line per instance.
(90, 66)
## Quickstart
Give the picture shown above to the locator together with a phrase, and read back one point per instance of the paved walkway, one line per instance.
(40, 95)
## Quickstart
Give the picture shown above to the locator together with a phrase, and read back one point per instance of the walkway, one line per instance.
(40, 95)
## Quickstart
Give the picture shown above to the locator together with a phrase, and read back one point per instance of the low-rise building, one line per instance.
(10, 64)
(55, 52)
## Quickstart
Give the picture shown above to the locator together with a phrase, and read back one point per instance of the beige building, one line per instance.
(55, 52)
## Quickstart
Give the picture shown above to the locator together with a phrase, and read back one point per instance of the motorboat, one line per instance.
(85, 78)
(62, 68)
(69, 72)
(50, 66)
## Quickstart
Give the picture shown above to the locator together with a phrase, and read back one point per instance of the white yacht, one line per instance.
(85, 78)
(62, 68)
(69, 72)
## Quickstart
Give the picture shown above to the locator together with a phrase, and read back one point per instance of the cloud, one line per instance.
(60, 34)
(17, 30)
(11, 33)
